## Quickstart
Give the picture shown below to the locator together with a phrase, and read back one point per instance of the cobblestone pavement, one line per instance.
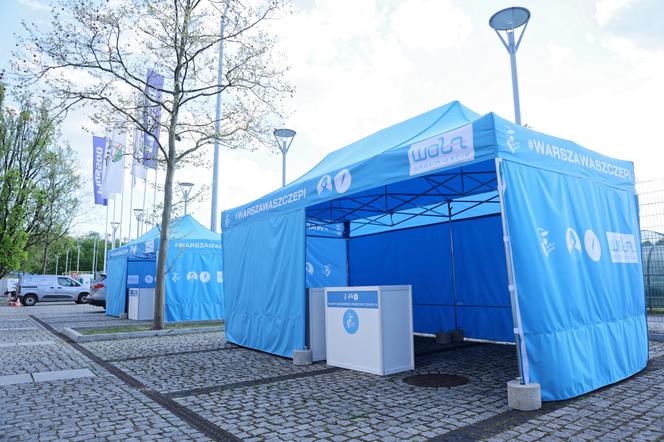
(196, 387)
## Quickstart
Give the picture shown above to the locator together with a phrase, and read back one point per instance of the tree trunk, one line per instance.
(160, 292)
(45, 256)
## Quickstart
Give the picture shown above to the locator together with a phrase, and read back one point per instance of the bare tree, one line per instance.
(97, 54)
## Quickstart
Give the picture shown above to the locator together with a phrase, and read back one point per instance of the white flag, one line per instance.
(137, 167)
(114, 168)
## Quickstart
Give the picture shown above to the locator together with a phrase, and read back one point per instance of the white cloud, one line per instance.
(34, 4)
(430, 24)
(605, 10)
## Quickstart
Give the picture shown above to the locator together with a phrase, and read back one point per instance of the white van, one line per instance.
(50, 288)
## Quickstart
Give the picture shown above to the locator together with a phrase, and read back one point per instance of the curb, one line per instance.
(78, 337)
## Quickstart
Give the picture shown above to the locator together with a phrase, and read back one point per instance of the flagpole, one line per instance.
(122, 201)
(105, 236)
(131, 202)
(154, 197)
(145, 191)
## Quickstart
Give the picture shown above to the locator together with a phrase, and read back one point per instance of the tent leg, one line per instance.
(454, 284)
(524, 376)
(347, 239)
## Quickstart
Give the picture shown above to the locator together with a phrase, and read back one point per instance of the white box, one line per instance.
(370, 328)
(317, 324)
(141, 304)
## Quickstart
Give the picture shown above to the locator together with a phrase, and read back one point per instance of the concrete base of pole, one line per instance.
(302, 357)
(457, 335)
(443, 338)
(526, 397)
(123, 316)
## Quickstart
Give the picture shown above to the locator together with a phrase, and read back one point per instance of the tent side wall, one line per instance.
(194, 282)
(264, 268)
(577, 267)
(116, 281)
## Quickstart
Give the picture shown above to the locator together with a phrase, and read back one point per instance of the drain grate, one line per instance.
(436, 380)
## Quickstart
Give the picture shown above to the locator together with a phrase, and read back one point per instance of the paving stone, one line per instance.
(60, 375)
(15, 379)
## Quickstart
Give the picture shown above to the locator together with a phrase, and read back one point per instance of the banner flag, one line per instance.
(114, 171)
(137, 168)
(152, 118)
(98, 157)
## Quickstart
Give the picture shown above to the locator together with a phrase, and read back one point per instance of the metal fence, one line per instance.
(651, 208)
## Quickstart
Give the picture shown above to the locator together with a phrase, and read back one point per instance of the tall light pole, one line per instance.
(509, 20)
(78, 256)
(57, 261)
(185, 188)
(139, 218)
(284, 139)
(114, 226)
(94, 257)
(214, 221)
(67, 262)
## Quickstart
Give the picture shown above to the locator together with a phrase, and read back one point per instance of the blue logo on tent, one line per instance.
(351, 322)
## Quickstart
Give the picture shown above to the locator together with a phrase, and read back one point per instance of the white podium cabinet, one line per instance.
(370, 329)
(141, 304)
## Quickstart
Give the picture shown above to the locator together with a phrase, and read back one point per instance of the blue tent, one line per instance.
(194, 284)
(505, 232)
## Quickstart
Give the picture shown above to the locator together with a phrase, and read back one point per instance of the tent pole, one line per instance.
(454, 285)
(522, 361)
(347, 239)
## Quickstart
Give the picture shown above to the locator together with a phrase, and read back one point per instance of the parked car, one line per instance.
(98, 291)
(50, 288)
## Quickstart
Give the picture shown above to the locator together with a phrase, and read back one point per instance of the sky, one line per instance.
(589, 71)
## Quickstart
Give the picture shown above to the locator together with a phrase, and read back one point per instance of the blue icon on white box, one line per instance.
(351, 321)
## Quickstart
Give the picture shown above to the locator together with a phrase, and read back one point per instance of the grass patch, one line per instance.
(145, 327)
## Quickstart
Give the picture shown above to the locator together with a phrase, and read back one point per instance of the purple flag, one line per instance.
(98, 157)
(151, 118)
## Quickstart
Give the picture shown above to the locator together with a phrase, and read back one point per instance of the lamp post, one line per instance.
(284, 139)
(114, 226)
(57, 261)
(67, 262)
(139, 218)
(78, 256)
(509, 20)
(214, 223)
(94, 257)
(185, 188)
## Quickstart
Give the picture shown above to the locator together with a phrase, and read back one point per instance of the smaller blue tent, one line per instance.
(194, 284)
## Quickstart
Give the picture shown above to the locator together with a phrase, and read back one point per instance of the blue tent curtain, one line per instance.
(579, 279)
(116, 284)
(190, 298)
(264, 265)
(470, 293)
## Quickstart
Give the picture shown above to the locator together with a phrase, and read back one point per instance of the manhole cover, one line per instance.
(437, 380)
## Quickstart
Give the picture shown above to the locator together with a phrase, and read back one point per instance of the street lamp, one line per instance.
(214, 224)
(185, 188)
(78, 256)
(139, 218)
(114, 225)
(284, 139)
(508, 20)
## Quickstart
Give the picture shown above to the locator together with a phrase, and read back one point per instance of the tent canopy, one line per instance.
(194, 289)
(539, 236)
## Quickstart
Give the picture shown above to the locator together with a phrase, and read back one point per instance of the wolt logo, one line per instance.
(442, 151)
